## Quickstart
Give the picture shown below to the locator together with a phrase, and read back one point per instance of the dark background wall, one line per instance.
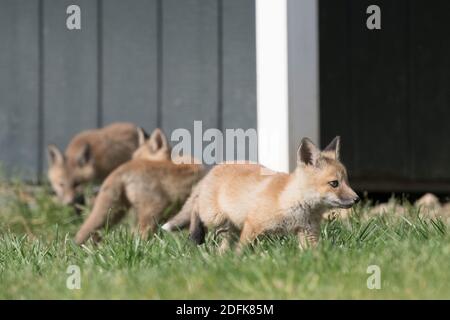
(158, 63)
(387, 92)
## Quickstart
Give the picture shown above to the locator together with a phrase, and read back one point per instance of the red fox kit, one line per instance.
(90, 156)
(238, 199)
(148, 183)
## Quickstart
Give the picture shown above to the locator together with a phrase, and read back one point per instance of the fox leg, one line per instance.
(309, 236)
(109, 208)
(229, 236)
(183, 218)
(248, 234)
(149, 215)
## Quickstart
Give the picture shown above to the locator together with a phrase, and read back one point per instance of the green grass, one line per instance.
(36, 248)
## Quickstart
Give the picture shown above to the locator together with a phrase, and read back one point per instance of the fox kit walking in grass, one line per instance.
(149, 184)
(90, 156)
(241, 201)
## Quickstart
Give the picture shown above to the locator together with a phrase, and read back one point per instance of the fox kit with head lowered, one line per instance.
(90, 156)
(149, 183)
(244, 200)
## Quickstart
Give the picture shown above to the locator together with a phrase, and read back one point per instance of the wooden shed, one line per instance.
(289, 68)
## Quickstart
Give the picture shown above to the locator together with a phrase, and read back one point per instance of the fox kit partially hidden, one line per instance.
(149, 183)
(90, 157)
(243, 200)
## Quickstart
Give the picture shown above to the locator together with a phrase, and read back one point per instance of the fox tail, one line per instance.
(182, 219)
(197, 229)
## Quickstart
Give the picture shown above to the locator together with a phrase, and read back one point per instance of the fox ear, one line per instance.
(334, 148)
(142, 136)
(85, 155)
(307, 153)
(54, 155)
(158, 141)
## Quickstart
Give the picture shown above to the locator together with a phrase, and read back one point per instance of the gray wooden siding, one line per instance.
(70, 72)
(129, 61)
(153, 62)
(19, 93)
(189, 89)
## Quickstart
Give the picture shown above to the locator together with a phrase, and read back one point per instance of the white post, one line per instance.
(272, 84)
(287, 79)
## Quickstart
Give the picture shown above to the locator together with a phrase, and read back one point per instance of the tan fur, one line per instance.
(90, 156)
(239, 198)
(156, 148)
(148, 186)
(183, 218)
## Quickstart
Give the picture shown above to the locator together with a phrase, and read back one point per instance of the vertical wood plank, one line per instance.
(239, 64)
(19, 88)
(334, 44)
(379, 92)
(130, 62)
(430, 89)
(70, 71)
(303, 57)
(238, 67)
(190, 64)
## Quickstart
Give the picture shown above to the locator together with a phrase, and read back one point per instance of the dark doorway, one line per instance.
(387, 92)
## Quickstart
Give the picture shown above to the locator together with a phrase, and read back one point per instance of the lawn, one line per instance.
(412, 251)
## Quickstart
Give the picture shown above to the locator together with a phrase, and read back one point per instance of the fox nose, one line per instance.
(356, 200)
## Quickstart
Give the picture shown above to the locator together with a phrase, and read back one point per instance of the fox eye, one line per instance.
(334, 183)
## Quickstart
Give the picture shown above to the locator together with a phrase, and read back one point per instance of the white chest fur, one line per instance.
(297, 217)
